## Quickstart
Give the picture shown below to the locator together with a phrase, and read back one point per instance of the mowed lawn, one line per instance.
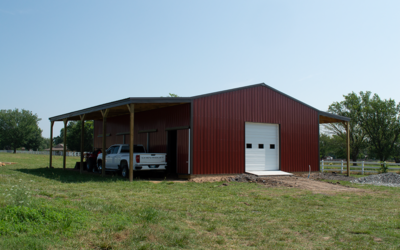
(44, 208)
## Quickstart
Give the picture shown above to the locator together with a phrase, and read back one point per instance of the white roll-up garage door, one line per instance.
(262, 146)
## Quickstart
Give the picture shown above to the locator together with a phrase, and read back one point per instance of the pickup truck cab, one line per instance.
(117, 159)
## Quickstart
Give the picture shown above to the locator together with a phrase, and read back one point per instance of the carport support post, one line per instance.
(131, 108)
(51, 144)
(65, 143)
(348, 147)
(82, 134)
(103, 160)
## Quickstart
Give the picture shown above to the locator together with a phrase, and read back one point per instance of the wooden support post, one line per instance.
(348, 147)
(51, 144)
(103, 160)
(82, 135)
(65, 143)
(131, 108)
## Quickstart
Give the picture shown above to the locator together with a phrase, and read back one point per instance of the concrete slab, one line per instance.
(268, 173)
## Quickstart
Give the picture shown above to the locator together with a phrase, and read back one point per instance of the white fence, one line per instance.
(366, 167)
(60, 153)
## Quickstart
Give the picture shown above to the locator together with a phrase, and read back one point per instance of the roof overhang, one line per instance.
(120, 107)
(325, 117)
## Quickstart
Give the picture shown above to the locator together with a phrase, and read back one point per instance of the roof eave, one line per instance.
(121, 103)
(338, 117)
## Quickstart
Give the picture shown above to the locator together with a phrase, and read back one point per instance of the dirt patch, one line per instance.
(308, 184)
(211, 178)
(168, 181)
(7, 163)
(313, 184)
(121, 236)
(327, 176)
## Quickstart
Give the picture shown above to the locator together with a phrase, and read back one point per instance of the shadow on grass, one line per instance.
(74, 176)
(69, 175)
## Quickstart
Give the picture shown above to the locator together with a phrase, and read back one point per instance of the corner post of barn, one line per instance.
(51, 144)
(348, 147)
(82, 135)
(103, 160)
(131, 108)
(65, 143)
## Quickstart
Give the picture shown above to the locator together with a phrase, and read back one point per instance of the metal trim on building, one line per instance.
(339, 117)
(148, 131)
(177, 128)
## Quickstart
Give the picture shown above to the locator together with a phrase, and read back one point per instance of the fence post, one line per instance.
(384, 166)
(341, 168)
(362, 167)
(322, 166)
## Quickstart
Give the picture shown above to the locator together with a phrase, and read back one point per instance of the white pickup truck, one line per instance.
(117, 159)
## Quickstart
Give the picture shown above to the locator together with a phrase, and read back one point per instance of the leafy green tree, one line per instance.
(324, 145)
(74, 136)
(338, 147)
(59, 139)
(396, 154)
(380, 119)
(35, 140)
(17, 127)
(358, 136)
(45, 143)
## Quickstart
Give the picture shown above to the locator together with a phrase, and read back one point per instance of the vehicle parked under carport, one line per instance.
(117, 159)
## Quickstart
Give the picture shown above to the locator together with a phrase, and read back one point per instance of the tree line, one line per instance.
(74, 136)
(20, 128)
(374, 128)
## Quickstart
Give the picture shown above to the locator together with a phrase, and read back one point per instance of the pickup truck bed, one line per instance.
(117, 159)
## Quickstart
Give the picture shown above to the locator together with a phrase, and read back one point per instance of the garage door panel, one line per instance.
(264, 158)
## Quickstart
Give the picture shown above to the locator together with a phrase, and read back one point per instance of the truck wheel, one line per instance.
(89, 166)
(97, 169)
(124, 171)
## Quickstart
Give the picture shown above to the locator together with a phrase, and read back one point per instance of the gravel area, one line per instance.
(388, 179)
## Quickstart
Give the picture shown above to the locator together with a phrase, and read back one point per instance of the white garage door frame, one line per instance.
(266, 158)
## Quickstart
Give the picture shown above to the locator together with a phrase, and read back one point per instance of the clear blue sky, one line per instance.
(61, 56)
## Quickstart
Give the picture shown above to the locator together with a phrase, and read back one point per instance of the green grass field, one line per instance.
(54, 209)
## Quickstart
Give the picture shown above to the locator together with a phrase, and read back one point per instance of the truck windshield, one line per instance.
(136, 149)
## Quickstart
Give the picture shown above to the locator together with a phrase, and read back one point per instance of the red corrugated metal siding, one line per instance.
(183, 151)
(219, 123)
(159, 119)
